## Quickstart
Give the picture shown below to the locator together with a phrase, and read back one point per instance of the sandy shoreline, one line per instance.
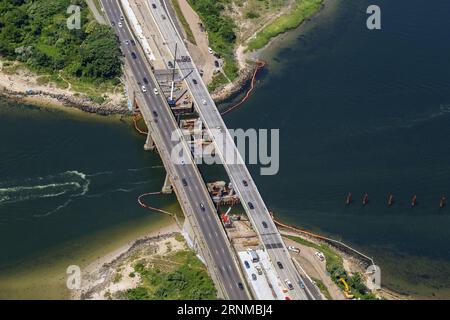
(97, 274)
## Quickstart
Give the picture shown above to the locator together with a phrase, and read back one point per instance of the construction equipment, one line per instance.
(347, 291)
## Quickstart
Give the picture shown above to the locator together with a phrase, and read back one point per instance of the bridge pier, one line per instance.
(167, 187)
(149, 143)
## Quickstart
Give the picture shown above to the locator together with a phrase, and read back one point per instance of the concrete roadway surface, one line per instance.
(237, 170)
(225, 266)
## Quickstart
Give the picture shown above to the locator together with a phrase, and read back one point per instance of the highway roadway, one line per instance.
(237, 170)
(195, 189)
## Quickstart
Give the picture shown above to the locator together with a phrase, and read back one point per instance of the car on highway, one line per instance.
(155, 114)
(127, 42)
(163, 17)
(302, 285)
(280, 265)
(210, 51)
(265, 225)
(133, 42)
(120, 25)
(254, 277)
(202, 206)
(145, 80)
(133, 55)
(144, 89)
(289, 284)
(247, 265)
(170, 64)
(251, 206)
(122, 18)
(194, 81)
(245, 183)
(204, 102)
(259, 270)
(153, 6)
(219, 128)
(240, 286)
(184, 182)
(155, 91)
(216, 64)
(113, 24)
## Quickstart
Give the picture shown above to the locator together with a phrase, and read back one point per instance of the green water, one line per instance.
(68, 189)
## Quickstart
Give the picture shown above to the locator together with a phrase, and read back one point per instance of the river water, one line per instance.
(365, 111)
(358, 111)
(68, 188)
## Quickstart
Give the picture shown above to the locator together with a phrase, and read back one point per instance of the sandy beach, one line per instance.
(98, 277)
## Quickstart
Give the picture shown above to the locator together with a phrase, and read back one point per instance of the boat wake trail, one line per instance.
(52, 193)
(71, 183)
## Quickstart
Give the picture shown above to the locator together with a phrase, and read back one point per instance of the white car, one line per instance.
(144, 89)
(294, 249)
(289, 284)
(320, 256)
(155, 91)
(204, 102)
(120, 24)
(210, 51)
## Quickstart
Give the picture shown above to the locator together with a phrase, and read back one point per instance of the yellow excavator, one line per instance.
(347, 292)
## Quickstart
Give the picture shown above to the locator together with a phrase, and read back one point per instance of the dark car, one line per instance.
(145, 80)
(254, 277)
(153, 6)
(247, 265)
(133, 55)
(245, 183)
(170, 64)
(264, 224)
(217, 64)
(280, 265)
(240, 286)
(133, 42)
(113, 23)
(155, 114)
(202, 206)
(250, 205)
(194, 81)
(184, 182)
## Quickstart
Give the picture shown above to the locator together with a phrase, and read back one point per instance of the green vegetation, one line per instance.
(335, 268)
(178, 276)
(182, 19)
(218, 80)
(35, 33)
(221, 34)
(302, 10)
(322, 288)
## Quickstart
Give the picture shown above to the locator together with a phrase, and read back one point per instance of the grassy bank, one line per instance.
(302, 10)
(335, 267)
(177, 276)
(221, 31)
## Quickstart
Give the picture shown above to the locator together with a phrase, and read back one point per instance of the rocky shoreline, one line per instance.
(230, 90)
(81, 103)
